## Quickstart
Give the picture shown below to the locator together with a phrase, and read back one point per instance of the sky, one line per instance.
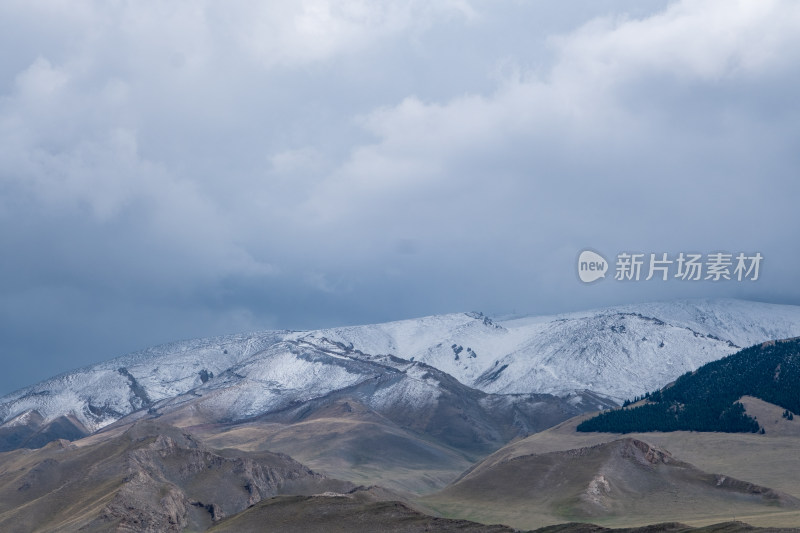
(171, 170)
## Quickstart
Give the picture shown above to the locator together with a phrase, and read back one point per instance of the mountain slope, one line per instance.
(615, 352)
(344, 414)
(619, 352)
(292, 379)
(707, 399)
(626, 479)
(103, 393)
(348, 441)
(153, 477)
(342, 512)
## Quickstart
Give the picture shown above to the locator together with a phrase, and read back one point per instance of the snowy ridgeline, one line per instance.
(617, 352)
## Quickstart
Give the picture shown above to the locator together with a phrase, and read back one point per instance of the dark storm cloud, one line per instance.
(174, 170)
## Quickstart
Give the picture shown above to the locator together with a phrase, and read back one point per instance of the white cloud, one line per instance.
(40, 82)
(291, 33)
(256, 150)
(708, 40)
(69, 142)
(582, 105)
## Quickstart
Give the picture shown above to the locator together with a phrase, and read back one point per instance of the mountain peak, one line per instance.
(593, 358)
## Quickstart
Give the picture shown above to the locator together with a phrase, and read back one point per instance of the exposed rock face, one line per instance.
(173, 482)
(644, 453)
(152, 478)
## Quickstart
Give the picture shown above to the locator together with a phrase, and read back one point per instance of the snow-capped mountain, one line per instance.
(618, 352)
(614, 352)
(103, 393)
(293, 379)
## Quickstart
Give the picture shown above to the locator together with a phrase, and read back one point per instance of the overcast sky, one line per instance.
(171, 170)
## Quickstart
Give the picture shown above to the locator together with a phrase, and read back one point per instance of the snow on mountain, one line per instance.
(293, 380)
(617, 352)
(101, 394)
(459, 344)
(620, 352)
(288, 373)
(742, 322)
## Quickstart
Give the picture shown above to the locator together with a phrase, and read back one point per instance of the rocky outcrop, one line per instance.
(151, 478)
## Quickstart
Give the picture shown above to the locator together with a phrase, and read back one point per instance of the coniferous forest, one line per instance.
(707, 399)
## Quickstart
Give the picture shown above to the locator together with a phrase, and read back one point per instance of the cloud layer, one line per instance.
(180, 169)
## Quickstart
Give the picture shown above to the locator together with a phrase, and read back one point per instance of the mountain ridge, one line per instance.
(708, 398)
(579, 357)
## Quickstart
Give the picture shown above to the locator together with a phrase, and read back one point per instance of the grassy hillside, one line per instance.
(622, 482)
(769, 460)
